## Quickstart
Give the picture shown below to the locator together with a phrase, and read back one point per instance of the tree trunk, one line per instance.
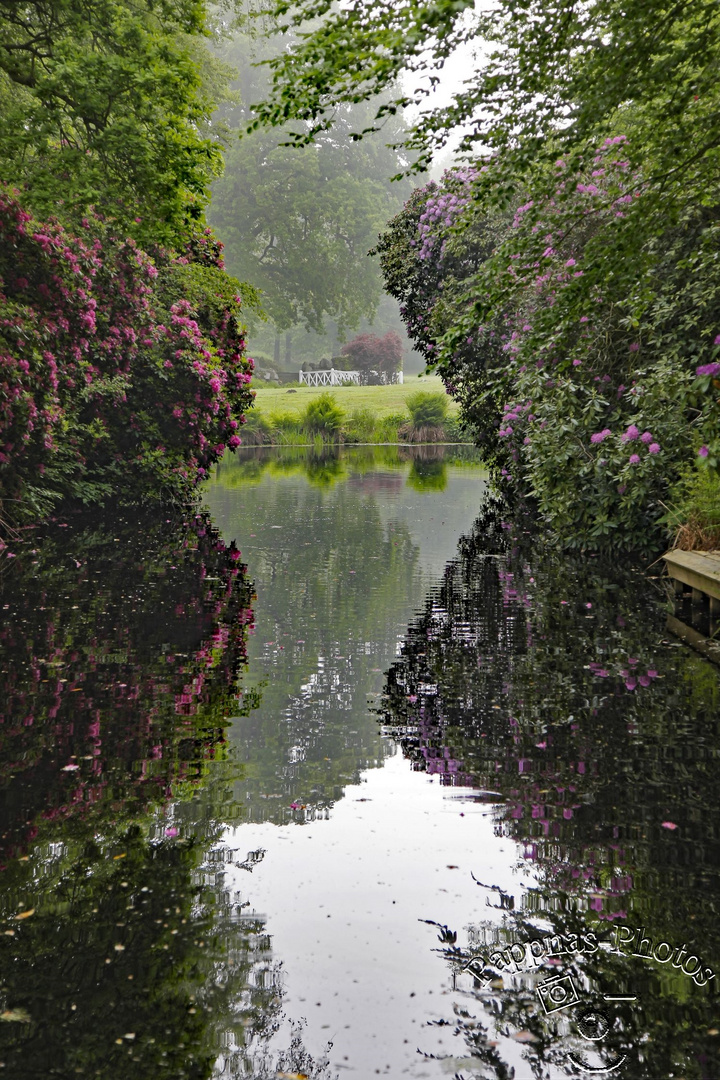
(277, 350)
(288, 349)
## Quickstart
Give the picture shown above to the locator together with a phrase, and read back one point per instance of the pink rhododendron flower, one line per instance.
(634, 459)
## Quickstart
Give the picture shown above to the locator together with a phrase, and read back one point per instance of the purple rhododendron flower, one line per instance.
(708, 369)
(600, 436)
(646, 437)
(654, 448)
(703, 451)
(634, 459)
(631, 433)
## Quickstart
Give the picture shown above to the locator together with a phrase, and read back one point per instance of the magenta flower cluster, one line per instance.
(708, 369)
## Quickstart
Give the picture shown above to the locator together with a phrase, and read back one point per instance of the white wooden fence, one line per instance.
(338, 378)
(329, 378)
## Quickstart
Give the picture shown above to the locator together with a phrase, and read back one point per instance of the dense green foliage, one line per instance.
(108, 105)
(590, 405)
(123, 367)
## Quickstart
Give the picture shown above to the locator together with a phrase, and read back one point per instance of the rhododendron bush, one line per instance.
(121, 374)
(591, 385)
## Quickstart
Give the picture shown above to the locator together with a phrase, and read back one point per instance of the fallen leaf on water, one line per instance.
(669, 825)
(25, 914)
(18, 1016)
(69, 768)
(119, 948)
(451, 866)
(123, 856)
(524, 1037)
(292, 1076)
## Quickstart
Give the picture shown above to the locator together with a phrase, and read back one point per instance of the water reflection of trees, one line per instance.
(547, 684)
(121, 646)
(124, 953)
(326, 466)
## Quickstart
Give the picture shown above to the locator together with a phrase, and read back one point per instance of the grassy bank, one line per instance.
(369, 414)
(383, 400)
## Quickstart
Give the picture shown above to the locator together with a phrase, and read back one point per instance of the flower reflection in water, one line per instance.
(548, 685)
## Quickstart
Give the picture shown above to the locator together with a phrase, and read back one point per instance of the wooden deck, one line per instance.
(696, 620)
(699, 570)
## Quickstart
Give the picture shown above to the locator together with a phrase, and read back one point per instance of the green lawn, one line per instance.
(383, 400)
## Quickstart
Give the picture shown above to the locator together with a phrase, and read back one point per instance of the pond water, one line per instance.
(350, 775)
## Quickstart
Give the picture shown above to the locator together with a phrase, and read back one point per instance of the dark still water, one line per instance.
(350, 776)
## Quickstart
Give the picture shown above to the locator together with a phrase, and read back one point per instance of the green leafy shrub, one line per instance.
(427, 413)
(427, 408)
(323, 416)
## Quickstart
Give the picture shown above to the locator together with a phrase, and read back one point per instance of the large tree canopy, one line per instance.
(545, 67)
(108, 104)
(299, 222)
